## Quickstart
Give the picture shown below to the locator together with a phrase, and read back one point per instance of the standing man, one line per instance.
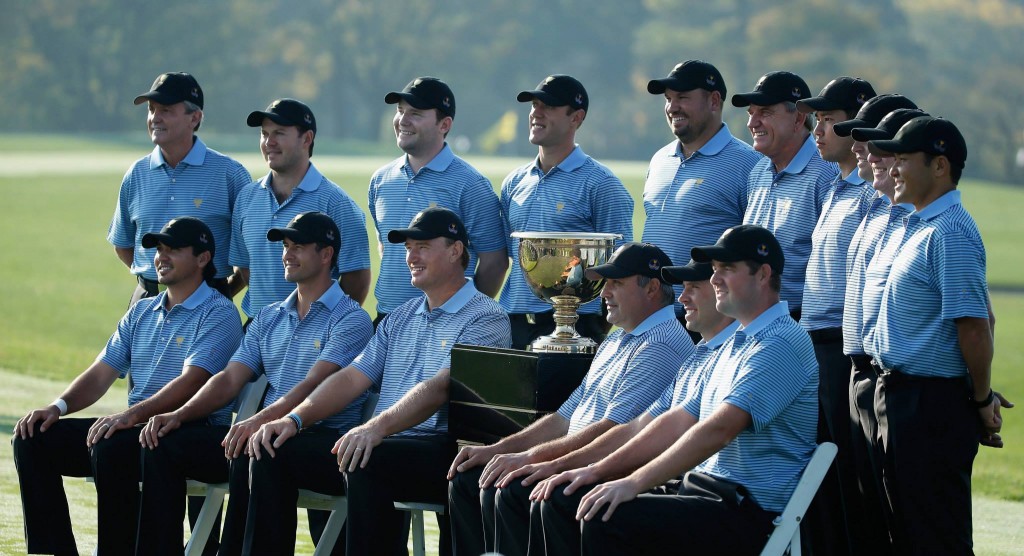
(740, 439)
(788, 187)
(836, 510)
(170, 345)
(630, 369)
(701, 177)
(296, 343)
(562, 190)
(403, 452)
(428, 176)
(933, 347)
(181, 177)
(293, 186)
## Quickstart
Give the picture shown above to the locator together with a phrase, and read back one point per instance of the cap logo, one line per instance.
(452, 228)
(202, 238)
(762, 250)
(939, 145)
(446, 102)
(307, 119)
(195, 92)
(653, 264)
(330, 235)
(861, 98)
(796, 92)
(579, 99)
(710, 80)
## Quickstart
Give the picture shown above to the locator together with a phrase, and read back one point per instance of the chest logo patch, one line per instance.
(433, 204)
(444, 343)
(698, 181)
(179, 340)
(197, 202)
(559, 206)
(316, 345)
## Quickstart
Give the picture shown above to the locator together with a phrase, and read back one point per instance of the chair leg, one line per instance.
(794, 545)
(418, 536)
(332, 531)
(204, 524)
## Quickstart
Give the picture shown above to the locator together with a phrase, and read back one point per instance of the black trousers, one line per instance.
(873, 537)
(518, 527)
(929, 433)
(524, 332)
(46, 457)
(404, 469)
(472, 513)
(705, 516)
(304, 461)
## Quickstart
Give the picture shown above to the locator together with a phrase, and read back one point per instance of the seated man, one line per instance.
(170, 345)
(561, 535)
(403, 452)
(742, 436)
(297, 343)
(630, 369)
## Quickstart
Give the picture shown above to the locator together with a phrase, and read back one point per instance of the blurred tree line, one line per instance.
(75, 66)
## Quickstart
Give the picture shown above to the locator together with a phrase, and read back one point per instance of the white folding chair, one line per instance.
(786, 536)
(418, 535)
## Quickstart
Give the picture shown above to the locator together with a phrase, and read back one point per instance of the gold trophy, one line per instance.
(554, 265)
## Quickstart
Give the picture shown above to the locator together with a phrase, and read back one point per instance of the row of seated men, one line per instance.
(841, 236)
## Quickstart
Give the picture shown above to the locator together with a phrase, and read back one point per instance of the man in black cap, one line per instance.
(430, 175)
(181, 177)
(403, 452)
(170, 345)
(293, 186)
(788, 187)
(562, 190)
(489, 497)
(932, 347)
(701, 177)
(296, 343)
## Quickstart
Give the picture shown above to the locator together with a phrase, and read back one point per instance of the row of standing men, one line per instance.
(806, 183)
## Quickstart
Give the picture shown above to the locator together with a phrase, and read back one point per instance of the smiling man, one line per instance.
(293, 186)
(562, 190)
(630, 369)
(181, 177)
(429, 175)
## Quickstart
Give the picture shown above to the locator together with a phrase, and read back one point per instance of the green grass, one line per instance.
(62, 289)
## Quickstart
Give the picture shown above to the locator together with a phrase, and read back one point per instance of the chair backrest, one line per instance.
(787, 525)
(249, 398)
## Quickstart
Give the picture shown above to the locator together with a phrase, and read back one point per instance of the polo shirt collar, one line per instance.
(455, 303)
(767, 317)
(938, 206)
(328, 299)
(440, 162)
(720, 338)
(196, 299)
(854, 178)
(195, 157)
(660, 316)
(575, 159)
(310, 182)
(714, 145)
(803, 156)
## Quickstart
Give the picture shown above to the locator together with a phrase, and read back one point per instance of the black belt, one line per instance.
(826, 335)
(861, 362)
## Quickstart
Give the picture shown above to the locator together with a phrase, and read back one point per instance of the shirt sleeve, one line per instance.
(238, 252)
(121, 232)
(612, 207)
(481, 213)
(118, 351)
(490, 329)
(371, 361)
(769, 379)
(958, 274)
(249, 352)
(347, 338)
(355, 251)
(218, 339)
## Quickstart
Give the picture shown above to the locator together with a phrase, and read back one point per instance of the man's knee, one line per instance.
(465, 485)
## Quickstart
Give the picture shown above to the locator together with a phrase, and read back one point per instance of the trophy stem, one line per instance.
(565, 338)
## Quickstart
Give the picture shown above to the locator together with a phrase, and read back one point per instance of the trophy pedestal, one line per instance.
(496, 392)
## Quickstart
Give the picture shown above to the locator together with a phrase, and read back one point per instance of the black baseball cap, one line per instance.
(890, 124)
(285, 111)
(644, 259)
(309, 227)
(745, 242)
(558, 90)
(842, 93)
(926, 134)
(692, 272)
(872, 113)
(687, 76)
(773, 88)
(425, 93)
(432, 223)
(172, 88)
(185, 231)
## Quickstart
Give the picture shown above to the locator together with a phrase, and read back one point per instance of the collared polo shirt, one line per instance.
(257, 210)
(767, 369)
(789, 204)
(825, 288)
(578, 195)
(691, 201)
(203, 185)
(414, 343)
(284, 347)
(156, 345)
(693, 371)
(938, 276)
(629, 371)
(397, 195)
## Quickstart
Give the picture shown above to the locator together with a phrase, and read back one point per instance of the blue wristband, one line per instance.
(297, 419)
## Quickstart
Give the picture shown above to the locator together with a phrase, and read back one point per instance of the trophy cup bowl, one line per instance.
(554, 265)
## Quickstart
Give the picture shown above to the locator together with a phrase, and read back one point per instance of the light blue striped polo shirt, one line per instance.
(578, 195)
(204, 185)
(937, 276)
(397, 195)
(693, 371)
(825, 288)
(789, 204)
(629, 371)
(257, 210)
(691, 201)
(413, 344)
(767, 369)
(284, 347)
(155, 345)
(864, 296)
